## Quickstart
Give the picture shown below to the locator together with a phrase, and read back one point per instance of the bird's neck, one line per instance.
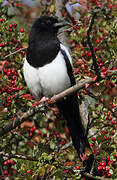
(42, 49)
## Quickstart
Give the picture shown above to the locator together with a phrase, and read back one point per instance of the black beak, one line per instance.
(61, 24)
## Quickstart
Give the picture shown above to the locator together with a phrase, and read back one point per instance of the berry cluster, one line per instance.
(8, 168)
(103, 168)
(11, 87)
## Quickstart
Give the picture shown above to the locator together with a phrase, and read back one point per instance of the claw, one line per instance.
(44, 99)
(48, 100)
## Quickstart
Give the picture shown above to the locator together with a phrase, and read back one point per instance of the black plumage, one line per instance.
(48, 71)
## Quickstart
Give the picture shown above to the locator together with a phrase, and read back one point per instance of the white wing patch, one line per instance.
(50, 79)
(32, 79)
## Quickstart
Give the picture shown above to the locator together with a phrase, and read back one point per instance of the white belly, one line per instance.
(49, 79)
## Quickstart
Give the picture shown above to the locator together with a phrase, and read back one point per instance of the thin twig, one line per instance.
(94, 177)
(68, 29)
(95, 64)
(15, 52)
(19, 156)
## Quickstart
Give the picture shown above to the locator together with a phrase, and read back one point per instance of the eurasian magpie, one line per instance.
(48, 71)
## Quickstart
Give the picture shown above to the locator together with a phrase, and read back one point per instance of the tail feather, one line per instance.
(69, 108)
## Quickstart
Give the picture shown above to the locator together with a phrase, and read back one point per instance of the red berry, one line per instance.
(101, 37)
(110, 5)
(30, 134)
(23, 53)
(84, 35)
(109, 118)
(107, 169)
(93, 138)
(104, 68)
(13, 96)
(113, 122)
(2, 20)
(114, 68)
(5, 163)
(34, 128)
(106, 138)
(108, 158)
(99, 168)
(21, 30)
(10, 29)
(99, 4)
(12, 162)
(29, 172)
(102, 99)
(89, 54)
(115, 155)
(14, 24)
(8, 161)
(77, 167)
(10, 25)
(100, 64)
(63, 142)
(85, 92)
(108, 113)
(9, 101)
(2, 44)
(13, 77)
(39, 132)
(66, 171)
(86, 53)
(6, 173)
(8, 73)
(20, 87)
(101, 30)
(57, 135)
(103, 164)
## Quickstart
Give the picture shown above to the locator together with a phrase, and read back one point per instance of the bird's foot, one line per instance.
(47, 100)
(89, 163)
(44, 99)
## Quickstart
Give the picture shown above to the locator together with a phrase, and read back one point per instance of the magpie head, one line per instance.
(49, 24)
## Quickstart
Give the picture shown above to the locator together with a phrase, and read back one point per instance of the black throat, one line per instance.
(43, 48)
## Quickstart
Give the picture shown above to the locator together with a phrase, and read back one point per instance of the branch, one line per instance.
(17, 156)
(15, 52)
(19, 120)
(94, 177)
(95, 64)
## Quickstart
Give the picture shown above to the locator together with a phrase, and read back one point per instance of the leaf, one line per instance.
(69, 163)
(94, 78)
(27, 124)
(3, 64)
(37, 139)
(42, 171)
(87, 85)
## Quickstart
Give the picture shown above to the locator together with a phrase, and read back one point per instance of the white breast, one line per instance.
(49, 79)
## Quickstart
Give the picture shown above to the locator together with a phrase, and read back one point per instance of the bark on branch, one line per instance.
(19, 120)
(95, 64)
(91, 177)
(17, 156)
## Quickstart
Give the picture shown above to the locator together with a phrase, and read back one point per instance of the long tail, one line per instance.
(70, 111)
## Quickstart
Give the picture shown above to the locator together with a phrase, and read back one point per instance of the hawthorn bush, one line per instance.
(39, 148)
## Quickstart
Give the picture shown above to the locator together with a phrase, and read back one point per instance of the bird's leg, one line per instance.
(89, 162)
(47, 99)
(44, 99)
